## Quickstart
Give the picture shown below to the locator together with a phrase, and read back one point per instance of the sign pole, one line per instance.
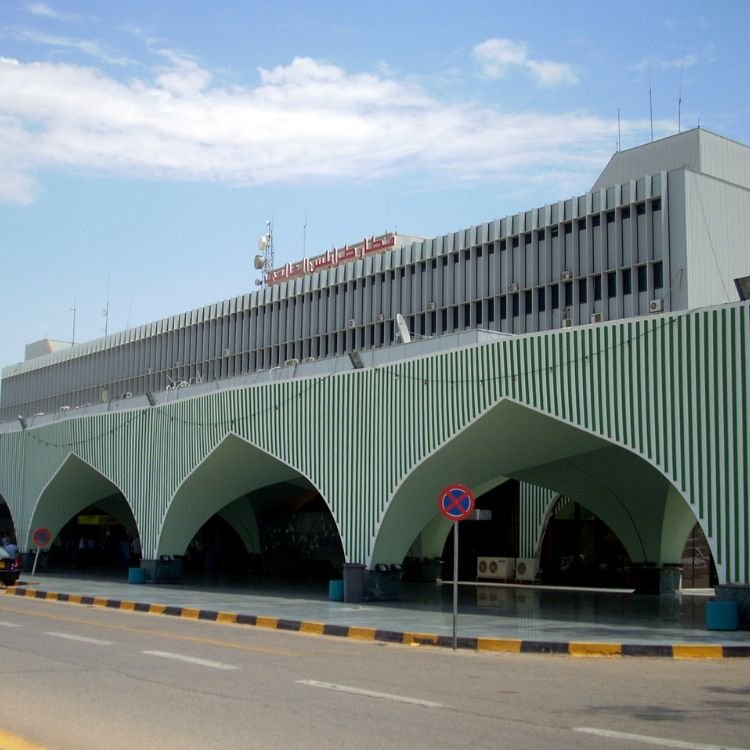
(456, 503)
(41, 538)
(36, 557)
(455, 585)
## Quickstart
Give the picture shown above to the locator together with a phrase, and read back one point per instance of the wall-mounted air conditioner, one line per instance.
(380, 317)
(655, 306)
(567, 275)
(596, 317)
(431, 306)
(496, 568)
(513, 287)
(527, 569)
(351, 323)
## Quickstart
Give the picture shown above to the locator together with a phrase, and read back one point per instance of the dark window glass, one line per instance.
(478, 313)
(445, 260)
(555, 231)
(502, 245)
(610, 217)
(626, 212)
(503, 308)
(455, 318)
(479, 252)
(467, 316)
(595, 221)
(569, 228)
(444, 319)
(568, 292)
(597, 288)
(540, 236)
(515, 305)
(555, 296)
(527, 238)
(612, 284)
(640, 209)
(658, 276)
(582, 291)
(627, 285)
(515, 242)
(541, 300)
(527, 302)
(656, 204)
(581, 225)
(491, 311)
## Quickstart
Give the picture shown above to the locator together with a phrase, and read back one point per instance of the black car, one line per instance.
(10, 567)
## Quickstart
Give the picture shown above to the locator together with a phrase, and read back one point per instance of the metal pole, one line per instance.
(455, 584)
(33, 567)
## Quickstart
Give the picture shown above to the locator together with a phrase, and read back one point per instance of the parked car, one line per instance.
(10, 567)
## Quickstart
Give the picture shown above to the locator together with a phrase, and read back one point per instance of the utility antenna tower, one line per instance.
(263, 262)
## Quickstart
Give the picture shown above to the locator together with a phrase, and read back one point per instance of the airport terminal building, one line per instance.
(664, 228)
(590, 341)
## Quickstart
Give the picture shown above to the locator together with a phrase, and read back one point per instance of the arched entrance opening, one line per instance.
(579, 549)
(243, 511)
(101, 537)
(92, 524)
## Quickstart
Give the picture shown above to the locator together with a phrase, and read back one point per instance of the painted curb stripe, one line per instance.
(595, 649)
(494, 645)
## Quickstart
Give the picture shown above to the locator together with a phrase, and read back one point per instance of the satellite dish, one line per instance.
(263, 242)
(402, 329)
(258, 262)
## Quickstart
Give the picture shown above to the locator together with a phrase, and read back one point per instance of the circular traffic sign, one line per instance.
(42, 537)
(456, 502)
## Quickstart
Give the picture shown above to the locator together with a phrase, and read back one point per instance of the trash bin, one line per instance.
(336, 590)
(722, 615)
(136, 575)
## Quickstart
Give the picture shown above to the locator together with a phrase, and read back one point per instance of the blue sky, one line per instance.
(143, 145)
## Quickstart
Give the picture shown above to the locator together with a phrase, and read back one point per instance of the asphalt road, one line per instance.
(78, 678)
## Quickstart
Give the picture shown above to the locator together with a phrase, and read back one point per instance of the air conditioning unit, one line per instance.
(496, 568)
(380, 317)
(513, 287)
(431, 306)
(567, 275)
(127, 394)
(351, 323)
(567, 323)
(527, 569)
(655, 306)
(293, 362)
(596, 317)
(226, 352)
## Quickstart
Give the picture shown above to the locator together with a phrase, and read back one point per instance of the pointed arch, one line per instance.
(74, 486)
(633, 497)
(234, 468)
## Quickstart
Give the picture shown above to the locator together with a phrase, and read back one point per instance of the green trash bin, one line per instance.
(136, 575)
(722, 615)
(336, 591)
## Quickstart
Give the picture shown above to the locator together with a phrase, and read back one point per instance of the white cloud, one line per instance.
(42, 9)
(94, 49)
(498, 58)
(305, 120)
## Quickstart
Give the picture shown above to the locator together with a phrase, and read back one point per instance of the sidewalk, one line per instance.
(490, 617)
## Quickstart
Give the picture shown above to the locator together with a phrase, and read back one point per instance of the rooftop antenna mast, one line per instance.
(73, 310)
(264, 260)
(650, 103)
(679, 101)
(619, 135)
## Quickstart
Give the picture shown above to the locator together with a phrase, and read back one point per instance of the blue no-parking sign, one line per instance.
(456, 502)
